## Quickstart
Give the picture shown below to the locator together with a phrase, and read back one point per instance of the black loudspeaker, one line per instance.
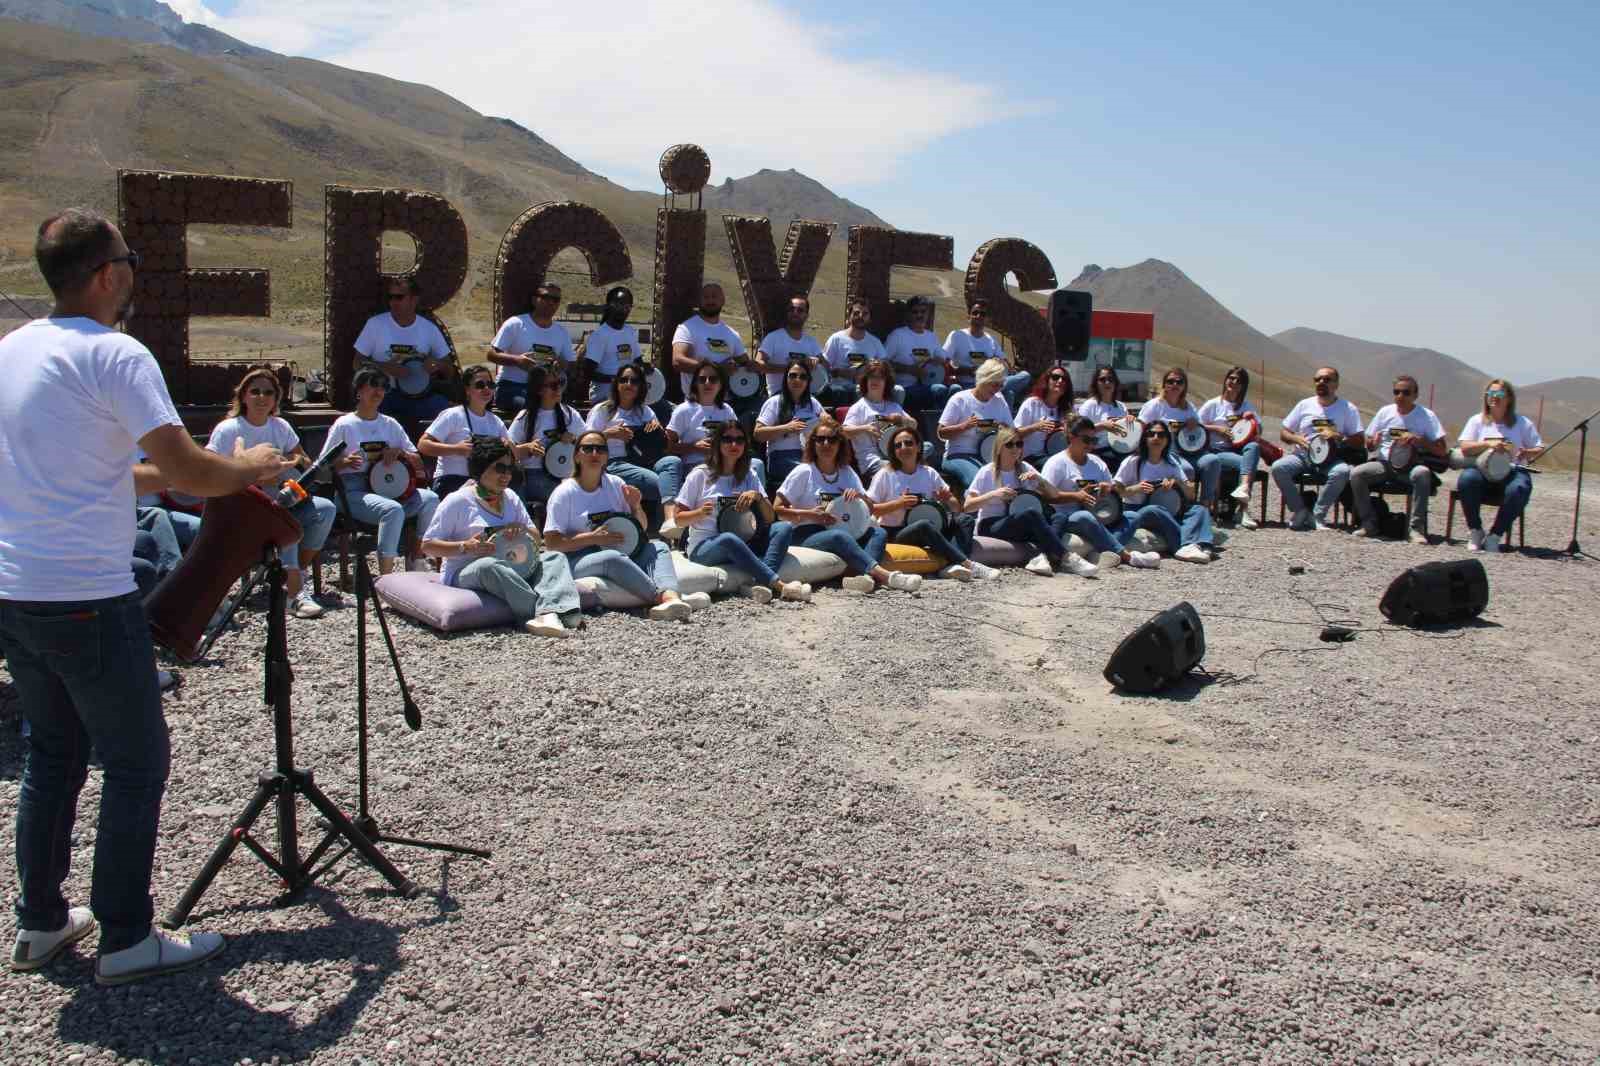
(1159, 652)
(1071, 314)
(1436, 593)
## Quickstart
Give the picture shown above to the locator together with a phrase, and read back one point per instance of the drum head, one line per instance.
(928, 510)
(986, 446)
(316, 386)
(744, 382)
(855, 516)
(1193, 439)
(1169, 500)
(1056, 442)
(730, 519)
(1127, 442)
(819, 378)
(1402, 456)
(513, 545)
(391, 479)
(886, 442)
(1495, 466)
(416, 380)
(655, 386)
(1026, 501)
(931, 372)
(632, 534)
(298, 390)
(1244, 431)
(1319, 449)
(560, 459)
(1108, 508)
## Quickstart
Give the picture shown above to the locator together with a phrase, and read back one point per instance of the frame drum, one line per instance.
(560, 459)
(1245, 429)
(744, 382)
(1127, 442)
(1026, 501)
(931, 511)
(395, 480)
(1401, 458)
(1192, 440)
(1170, 500)
(513, 545)
(819, 377)
(416, 380)
(655, 386)
(886, 442)
(1320, 450)
(855, 517)
(742, 524)
(986, 445)
(1056, 442)
(1108, 507)
(632, 533)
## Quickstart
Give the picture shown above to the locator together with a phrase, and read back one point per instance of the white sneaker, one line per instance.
(1040, 565)
(796, 592)
(671, 611)
(1367, 531)
(306, 607)
(982, 572)
(1246, 522)
(1417, 536)
(698, 601)
(1474, 540)
(905, 582)
(158, 953)
(35, 948)
(1491, 544)
(1108, 561)
(1192, 553)
(759, 593)
(956, 572)
(546, 625)
(1144, 560)
(1078, 566)
(1300, 521)
(859, 583)
(1242, 491)
(1321, 525)
(670, 531)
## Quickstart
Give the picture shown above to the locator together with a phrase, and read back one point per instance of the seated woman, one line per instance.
(370, 437)
(803, 499)
(907, 481)
(782, 423)
(1109, 414)
(1497, 427)
(1079, 477)
(869, 416)
(634, 437)
(728, 475)
(449, 439)
(572, 525)
(1218, 414)
(1172, 405)
(539, 590)
(689, 435)
(990, 495)
(253, 419)
(1155, 468)
(1047, 410)
(965, 417)
(542, 422)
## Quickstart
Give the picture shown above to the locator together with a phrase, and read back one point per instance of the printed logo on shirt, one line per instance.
(544, 351)
(400, 351)
(717, 344)
(624, 351)
(919, 353)
(1322, 423)
(373, 447)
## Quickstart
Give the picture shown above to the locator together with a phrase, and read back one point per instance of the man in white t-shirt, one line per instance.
(76, 401)
(399, 342)
(971, 346)
(918, 357)
(533, 339)
(1321, 414)
(1404, 420)
(790, 344)
(611, 345)
(705, 337)
(847, 354)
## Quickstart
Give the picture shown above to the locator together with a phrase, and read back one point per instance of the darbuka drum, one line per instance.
(415, 380)
(886, 441)
(655, 386)
(1108, 507)
(1245, 430)
(742, 524)
(986, 446)
(855, 517)
(744, 382)
(819, 378)
(1494, 465)
(393, 478)
(929, 511)
(630, 531)
(1055, 442)
(1402, 457)
(647, 446)
(1127, 441)
(1026, 501)
(560, 459)
(1169, 500)
(1320, 450)
(237, 533)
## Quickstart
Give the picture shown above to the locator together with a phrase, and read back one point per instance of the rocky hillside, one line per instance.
(785, 194)
(142, 21)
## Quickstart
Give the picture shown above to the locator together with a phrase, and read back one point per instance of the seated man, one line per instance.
(611, 345)
(531, 339)
(919, 360)
(1322, 414)
(787, 344)
(705, 338)
(397, 342)
(847, 354)
(969, 347)
(1408, 421)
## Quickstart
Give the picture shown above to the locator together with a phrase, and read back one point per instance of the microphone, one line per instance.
(292, 492)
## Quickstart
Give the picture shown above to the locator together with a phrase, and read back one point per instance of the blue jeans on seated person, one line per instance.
(1287, 469)
(1213, 464)
(315, 515)
(162, 547)
(424, 408)
(1193, 528)
(536, 486)
(779, 466)
(547, 588)
(859, 556)
(1031, 528)
(146, 575)
(510, 396)
(726, 549)
(1472, 486)
(1087, 527)
(389, 515)
(85, 673)
(926, 535)
(960, 470)
(644, 577)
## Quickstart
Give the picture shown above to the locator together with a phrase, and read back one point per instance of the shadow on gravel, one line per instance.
(193, 1017)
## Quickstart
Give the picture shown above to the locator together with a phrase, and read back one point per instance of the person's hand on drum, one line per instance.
(391, 455)
(1145, 487)
(1028, 476)
(632, 495)
(536, 449)
(619, 432)
(1005, 493)
(479, 546)
(605, 538)
(652, 426)
(746, 500)
(703, 445)
(907, 501)
(852, 495)
(1169, 482)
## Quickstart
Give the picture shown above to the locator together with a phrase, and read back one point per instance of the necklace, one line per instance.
(838, 472)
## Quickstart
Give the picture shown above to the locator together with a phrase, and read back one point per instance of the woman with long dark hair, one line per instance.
(448, 440)
(543, 421)
(635, 440)
(1108, 413)
(1155, 467)
(1046, 410)
(782, 423)
(906, 481)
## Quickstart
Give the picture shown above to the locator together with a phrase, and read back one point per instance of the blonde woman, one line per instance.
(1497, 427)
(996, 485)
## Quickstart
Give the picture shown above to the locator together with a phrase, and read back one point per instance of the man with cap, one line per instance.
(393, 341)
(533, 338)
(704, 336)
(611, 345)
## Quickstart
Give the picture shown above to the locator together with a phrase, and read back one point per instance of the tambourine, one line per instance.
(655, 386)
(1126, 442)
(1494, 464)
(1107, 507)
(1169, 500)
(415, 380)
(986, 445)
(316, 386)
(394, 479)
(560, 459)
(1320, 450)
(926, 510)
(744, 382)
(819, 378)
(1245, 429)
(1401, 458)
(930, 370)
(299, 389)
(1026, 501)
(625, 526)
(742, 524)
(513, 545)
(1192, 440)
(855, 517)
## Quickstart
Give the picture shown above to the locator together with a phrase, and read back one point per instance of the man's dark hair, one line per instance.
(71, 246)
(1082, 425)
(413, 286)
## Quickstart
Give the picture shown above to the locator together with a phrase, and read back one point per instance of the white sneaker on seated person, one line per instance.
(1144, 560)
(859, 583)
(158, 953)
(546, 625)
(698, 601)
(956, 572)
(1192, 553)
(1242, 492)
(304, 606)
(1078, 566)
(35, 948)
(1245, 521)
(670, 611)
(981, 571)
(1040, 564)
(1474, 540)
(905, 582)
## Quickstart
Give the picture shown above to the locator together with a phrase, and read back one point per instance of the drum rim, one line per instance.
(1022, 494)
(411, 476)
(634, 526)
(857, 506)
(572, 464)
(420, 368)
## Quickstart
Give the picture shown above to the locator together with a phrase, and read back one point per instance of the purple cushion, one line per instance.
(428, 600)
(993, 552)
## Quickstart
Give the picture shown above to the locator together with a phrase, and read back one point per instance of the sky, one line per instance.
(1416, 173)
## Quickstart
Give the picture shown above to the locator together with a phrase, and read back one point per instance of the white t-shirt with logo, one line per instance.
(76, 397)
(864, 412)
(457, 425)
(700, 486)
(779, 348)
(366, 437)
(602, 418)
(1011, 479)
(841, 346)
(807, 487)
(1066, 474)
(714, 342)
(610, 348)
(1388, 424)
(891, 484)
(521, 335)
(275, 431)
(1220, 410)
(904, 348)
(966, 351)
(1098, 411)
(383, 340)
(1134, 470)
(962, 406)
(689, 420)
(1522, 434)
(1032, 409)
(548, 420)
(807, 412)
(570, 505)
(462, 516)
(1341, 416)
(1159, 410)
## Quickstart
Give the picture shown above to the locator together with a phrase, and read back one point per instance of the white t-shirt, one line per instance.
(457, 425)
(275, 432)
(1219, 410)
(962, 406)
(689, 419)
(779, 348)
(546, 422)
(700, 487)
(841, 346)
(1132, 471)
(891, 484)
(521, 335)
(1063, 472)
(1031, 410)
(985, 482)
(1524, 434)
(1159, 410)
(966, 351)
(462, 516)
(384, 340)
(1388, 424)
(807, 412)
(570, 506)
(903, 348)
(366, 437)
(1098, 411)
(864, 412)
(76, 398)
(1308, 414)
(713, 341)
(806, 486)
(610, 348)
(601, 419)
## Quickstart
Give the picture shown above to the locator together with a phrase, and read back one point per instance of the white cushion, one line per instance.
(800, 564)
(692, 577)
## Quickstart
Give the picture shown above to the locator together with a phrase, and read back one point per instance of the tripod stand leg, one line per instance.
(271, 785)
(432, 845)
(343, 826)
(1577, 500)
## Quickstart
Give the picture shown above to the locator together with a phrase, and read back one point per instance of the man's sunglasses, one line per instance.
(593, 449)
(132, 259)
(1405, 392)
(1324, 380)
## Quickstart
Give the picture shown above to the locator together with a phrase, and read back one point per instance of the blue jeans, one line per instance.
(860, 556)
(86, 675)
(1284, 472)
(551, 592)
(959, 470)
(536, 485)
(146, 574)
(1471, 486)
(426, 408)
(1213, 465)
(726, 549)
(1031, 529)
(645, 578)
(389, 515)
(315, 515)
(929, 536)
(510, 396)
(1193, 528)
(163, 547)
(448, 483)
(922, 397)
(779, 465)
(1087, 527)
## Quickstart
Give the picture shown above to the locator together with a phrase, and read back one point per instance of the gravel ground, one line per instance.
(912, 829)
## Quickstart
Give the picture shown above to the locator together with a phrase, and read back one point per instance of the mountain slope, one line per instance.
(1456, 385)
(142, 21)
(782, 195)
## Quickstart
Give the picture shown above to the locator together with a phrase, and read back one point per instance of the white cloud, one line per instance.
(755, 84)
(193, 11)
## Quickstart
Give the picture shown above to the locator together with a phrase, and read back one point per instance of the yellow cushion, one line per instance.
(910, 559)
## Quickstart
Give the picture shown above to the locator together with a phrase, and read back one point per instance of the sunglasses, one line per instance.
(548, 297)
(829, 438)
(593, 449)
(1173, 381)
(1057, 377)
(1494, 395)
(977, 313)
(1324, 380)
(261, 392)
(1161, 435)
(904, 444)
(1012, 445)
(481, 383)
(795, 375)
(732, 440)
(502, 468)
(132, 259)
(635, 382)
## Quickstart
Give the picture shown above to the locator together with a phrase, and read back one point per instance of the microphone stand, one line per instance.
(1582, 430)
